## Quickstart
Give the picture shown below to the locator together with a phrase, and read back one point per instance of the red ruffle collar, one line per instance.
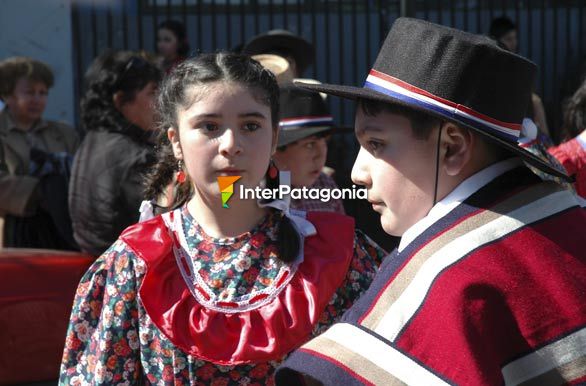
(263, 333)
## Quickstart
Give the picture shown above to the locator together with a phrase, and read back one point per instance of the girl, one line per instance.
(204, 294)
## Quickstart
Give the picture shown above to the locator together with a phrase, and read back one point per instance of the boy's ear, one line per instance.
(457, 145)
(173, 135)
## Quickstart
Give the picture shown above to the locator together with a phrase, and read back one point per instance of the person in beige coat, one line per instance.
(35, 157)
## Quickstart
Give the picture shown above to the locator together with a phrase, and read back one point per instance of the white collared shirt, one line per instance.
(457, 196)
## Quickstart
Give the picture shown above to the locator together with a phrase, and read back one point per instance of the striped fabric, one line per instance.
(306, 121)
(563, 359)
(396, 88)
(375, 361)
(404, 295)
(482, 298)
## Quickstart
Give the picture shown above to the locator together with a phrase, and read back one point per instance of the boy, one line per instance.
(305, 124)
(487, 285)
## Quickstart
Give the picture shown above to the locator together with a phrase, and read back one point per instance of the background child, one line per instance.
(208, 295)
(306, 124)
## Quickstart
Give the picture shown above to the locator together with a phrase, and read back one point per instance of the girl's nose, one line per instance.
(230, 144)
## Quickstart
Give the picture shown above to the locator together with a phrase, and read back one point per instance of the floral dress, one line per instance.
(113, 340)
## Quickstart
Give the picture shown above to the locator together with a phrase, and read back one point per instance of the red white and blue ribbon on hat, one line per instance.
(412, 95)
(324, 120)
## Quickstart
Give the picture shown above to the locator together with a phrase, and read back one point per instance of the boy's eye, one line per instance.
(251, 126)
(309, 145)
(373, 145)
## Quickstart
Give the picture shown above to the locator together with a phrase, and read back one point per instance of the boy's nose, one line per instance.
(321, 148)
(360, 172)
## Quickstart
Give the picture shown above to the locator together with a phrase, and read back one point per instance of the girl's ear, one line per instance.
(173, 135)
(117, 100)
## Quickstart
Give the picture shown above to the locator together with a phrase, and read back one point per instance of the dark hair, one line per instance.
(500, 26)
(575, 113)
(180, 33)
(109, 73)
(421, 123)
(173, 95)
(12, 69)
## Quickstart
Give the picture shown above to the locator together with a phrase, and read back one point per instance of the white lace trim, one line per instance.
(200, 290)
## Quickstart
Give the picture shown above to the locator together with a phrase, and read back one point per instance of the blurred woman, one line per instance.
(35, 158)
(117, 113)
(172, 44)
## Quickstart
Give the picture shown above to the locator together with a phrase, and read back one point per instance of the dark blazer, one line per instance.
(106, 190)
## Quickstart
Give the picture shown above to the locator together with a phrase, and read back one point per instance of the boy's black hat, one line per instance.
(302, 114)
(279, 40)
(453, 75)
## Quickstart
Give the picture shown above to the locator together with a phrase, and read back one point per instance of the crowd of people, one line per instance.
(482, 284)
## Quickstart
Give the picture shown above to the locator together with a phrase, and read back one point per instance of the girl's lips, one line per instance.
(230, 172)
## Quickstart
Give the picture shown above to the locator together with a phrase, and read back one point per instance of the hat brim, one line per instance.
(287, 137)
(301, 49)
(351, 92)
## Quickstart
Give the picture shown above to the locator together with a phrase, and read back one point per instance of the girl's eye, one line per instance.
(251, 126)
(209, 127)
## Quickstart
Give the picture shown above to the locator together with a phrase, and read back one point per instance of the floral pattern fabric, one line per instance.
(111, 340)
(225, 265)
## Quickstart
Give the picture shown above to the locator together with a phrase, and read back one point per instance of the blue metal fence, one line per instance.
(347, 33)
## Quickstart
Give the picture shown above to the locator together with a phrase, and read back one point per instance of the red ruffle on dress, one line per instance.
(186, 308)
(259, 326)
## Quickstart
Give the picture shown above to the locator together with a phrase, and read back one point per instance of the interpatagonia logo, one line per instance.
(226, 184)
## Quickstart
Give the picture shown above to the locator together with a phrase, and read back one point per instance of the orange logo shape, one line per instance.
(226, 184)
